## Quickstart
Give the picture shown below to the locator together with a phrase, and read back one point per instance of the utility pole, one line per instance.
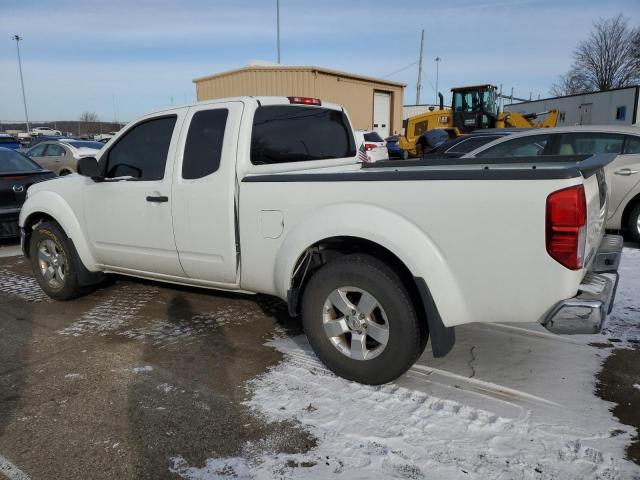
(278, 27)
(419, 85)
(17, 38)
(115, 118)
(437, 60)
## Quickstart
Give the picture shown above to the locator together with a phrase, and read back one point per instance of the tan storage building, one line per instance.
(372, 103)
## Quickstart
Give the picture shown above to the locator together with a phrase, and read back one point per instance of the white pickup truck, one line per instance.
(265, 194)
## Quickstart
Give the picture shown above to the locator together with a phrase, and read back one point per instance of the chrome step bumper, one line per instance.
(587, 311)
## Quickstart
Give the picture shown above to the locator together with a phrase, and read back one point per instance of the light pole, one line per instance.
(278, 27)
(17, 38)
(437, 60)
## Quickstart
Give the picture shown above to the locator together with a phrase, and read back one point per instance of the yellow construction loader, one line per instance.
(472, 108)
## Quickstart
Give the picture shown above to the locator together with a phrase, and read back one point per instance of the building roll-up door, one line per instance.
(382, 113)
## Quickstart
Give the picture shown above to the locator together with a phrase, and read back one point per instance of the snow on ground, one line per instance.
(624, 322)
(482, 429)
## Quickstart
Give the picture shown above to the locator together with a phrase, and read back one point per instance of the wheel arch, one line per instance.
(403, 244)
(49, 206)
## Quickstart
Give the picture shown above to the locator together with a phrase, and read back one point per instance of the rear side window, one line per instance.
(142, 152)
(590, 143)
(286, 133)
(528, 146)
(372, 137)
(471, 143)
(204, 143)
(633, 145)
(54, 150)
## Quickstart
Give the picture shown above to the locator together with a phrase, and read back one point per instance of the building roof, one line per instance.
(337, 73)
(595, 92)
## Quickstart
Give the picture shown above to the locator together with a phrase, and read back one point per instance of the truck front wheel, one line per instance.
(360, 320)
(52, 263)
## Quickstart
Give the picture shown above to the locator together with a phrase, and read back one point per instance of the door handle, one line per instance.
(625, 171)
(157, 199)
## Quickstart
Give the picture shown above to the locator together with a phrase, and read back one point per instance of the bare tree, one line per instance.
(88, 121)
(570, 83)
(608, 59)
(89, 117)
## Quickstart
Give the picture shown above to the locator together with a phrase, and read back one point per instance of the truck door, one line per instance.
(204, 193)
(128, 216)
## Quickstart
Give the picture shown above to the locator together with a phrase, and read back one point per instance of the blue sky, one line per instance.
(81, 55)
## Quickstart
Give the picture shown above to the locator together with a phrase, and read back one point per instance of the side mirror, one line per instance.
(88, 167)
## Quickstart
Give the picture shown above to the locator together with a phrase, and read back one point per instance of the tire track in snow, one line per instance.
(119, 309)
(21, 286)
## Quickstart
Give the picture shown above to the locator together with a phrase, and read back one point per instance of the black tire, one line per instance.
(406, 336)
(633, 223)
(67, 287)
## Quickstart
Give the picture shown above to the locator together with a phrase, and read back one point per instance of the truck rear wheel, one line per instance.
(360, 320)
(52, 263)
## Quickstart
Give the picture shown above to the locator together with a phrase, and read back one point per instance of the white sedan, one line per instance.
(371, 147)
(37, 131)
(623, 174)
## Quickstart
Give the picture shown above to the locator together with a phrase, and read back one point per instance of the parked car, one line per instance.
(623, 173)
(9, 141)
(17, 174)
(104, 137)
(371, 146)
(265, 194)
(61, 156)
(37, 131)
(46, 138)
(462, 144)
(393, 149)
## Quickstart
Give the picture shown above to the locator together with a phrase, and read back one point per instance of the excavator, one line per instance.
(473, 107)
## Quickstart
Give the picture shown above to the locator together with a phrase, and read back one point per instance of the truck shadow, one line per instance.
(187, 405)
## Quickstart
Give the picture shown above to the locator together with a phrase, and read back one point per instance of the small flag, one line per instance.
(362, 154)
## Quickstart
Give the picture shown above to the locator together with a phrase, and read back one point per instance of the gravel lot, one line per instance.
(139, 380)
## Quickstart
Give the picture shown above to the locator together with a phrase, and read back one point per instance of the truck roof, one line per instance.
(262, 100)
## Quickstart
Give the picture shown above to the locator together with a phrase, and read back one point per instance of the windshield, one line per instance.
(14, 162)
(85, 144)
(474, 100)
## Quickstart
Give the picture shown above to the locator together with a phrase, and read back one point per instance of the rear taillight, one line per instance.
(369, 146)
(305, 100)
(567, 226)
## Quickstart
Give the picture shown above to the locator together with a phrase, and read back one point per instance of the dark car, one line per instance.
(8, 141)
(17, 174)
(458, 146)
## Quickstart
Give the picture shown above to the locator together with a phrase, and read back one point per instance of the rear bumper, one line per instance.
(586, 312)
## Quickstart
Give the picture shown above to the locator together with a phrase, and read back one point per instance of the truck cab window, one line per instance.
(285, 133)
(142, 152)
(204, 143)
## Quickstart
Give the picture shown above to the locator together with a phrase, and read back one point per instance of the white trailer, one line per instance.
(611, 107)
